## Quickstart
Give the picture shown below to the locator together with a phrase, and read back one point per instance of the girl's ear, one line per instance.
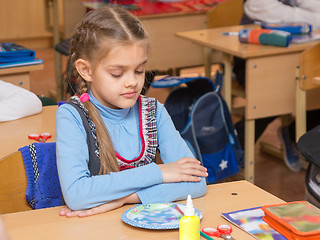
(84, 69)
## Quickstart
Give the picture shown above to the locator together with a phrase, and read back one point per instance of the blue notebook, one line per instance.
(12, 52)
(303, 38)
(20, 63)
(293, 27)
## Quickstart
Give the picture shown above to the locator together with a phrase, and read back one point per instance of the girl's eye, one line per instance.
(140, 72)
(116, 75)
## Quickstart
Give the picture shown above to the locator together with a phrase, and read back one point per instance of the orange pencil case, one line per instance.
(294, 220)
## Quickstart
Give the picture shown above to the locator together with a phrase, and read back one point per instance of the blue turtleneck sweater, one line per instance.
(82, 191)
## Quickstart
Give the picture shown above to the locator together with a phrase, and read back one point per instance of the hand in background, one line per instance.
(184, 170)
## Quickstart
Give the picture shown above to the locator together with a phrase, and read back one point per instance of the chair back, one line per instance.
(224, 14)
(307, 78)
(227, 13)
(13, 183)
(309, 68)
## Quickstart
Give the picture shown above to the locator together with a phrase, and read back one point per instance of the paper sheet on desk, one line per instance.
(250, 220)
(305, 38)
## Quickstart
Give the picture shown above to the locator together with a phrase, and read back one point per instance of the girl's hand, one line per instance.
(184, 170)
(133, 198)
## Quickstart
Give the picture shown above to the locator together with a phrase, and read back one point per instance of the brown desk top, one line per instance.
(21, 69)
(14, 134)
(47, 224)
(214, 39)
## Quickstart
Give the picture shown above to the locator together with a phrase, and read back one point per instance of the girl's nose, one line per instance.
(131, 82)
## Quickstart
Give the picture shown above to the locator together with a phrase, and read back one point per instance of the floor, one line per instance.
(271, 174)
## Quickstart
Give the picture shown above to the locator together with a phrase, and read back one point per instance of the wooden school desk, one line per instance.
(47, 224)
(19, 76)
(14, 134)
(270, 78)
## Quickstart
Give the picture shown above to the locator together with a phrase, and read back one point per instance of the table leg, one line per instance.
(249, 149)
(207, 61)
(226, 86)
(301, 107)
(57, 56)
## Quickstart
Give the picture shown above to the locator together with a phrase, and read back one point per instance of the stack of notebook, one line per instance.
(14, 55)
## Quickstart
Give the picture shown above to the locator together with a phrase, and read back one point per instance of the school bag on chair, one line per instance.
(309, 146)
(202, 117)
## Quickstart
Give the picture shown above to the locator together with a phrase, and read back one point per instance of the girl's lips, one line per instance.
(129, 94)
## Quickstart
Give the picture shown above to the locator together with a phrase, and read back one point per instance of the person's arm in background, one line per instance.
(273, 11)
(17, 102)
(310, 5)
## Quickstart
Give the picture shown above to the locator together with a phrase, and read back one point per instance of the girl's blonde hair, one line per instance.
(95, 36)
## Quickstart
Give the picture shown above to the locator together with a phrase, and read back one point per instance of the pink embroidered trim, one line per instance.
(84, 97)
(141, 136)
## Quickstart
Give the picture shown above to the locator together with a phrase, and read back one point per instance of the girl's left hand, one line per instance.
(66, 211)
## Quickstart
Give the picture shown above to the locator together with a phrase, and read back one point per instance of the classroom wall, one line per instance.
(24, 21)
(73, 12)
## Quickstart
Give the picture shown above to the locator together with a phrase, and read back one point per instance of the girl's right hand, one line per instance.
(106, 207)
(133, 198)
(184, 170)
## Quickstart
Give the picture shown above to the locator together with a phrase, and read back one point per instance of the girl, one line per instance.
(107, 139)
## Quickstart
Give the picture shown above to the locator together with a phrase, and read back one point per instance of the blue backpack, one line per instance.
(202, 117)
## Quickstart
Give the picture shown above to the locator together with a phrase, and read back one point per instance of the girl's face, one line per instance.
(117, 80)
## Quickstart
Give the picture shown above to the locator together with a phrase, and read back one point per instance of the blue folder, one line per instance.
(12, 52)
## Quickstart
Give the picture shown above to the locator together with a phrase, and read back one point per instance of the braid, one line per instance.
(83, 85)
(113, 25)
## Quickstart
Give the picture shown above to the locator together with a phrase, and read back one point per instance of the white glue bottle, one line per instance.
(189, 225)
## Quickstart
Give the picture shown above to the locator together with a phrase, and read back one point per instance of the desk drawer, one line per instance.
(18, 79)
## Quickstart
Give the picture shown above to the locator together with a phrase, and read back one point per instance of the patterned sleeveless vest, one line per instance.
(147, 132)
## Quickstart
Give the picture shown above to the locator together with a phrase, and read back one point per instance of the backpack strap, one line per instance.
(92, 141)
